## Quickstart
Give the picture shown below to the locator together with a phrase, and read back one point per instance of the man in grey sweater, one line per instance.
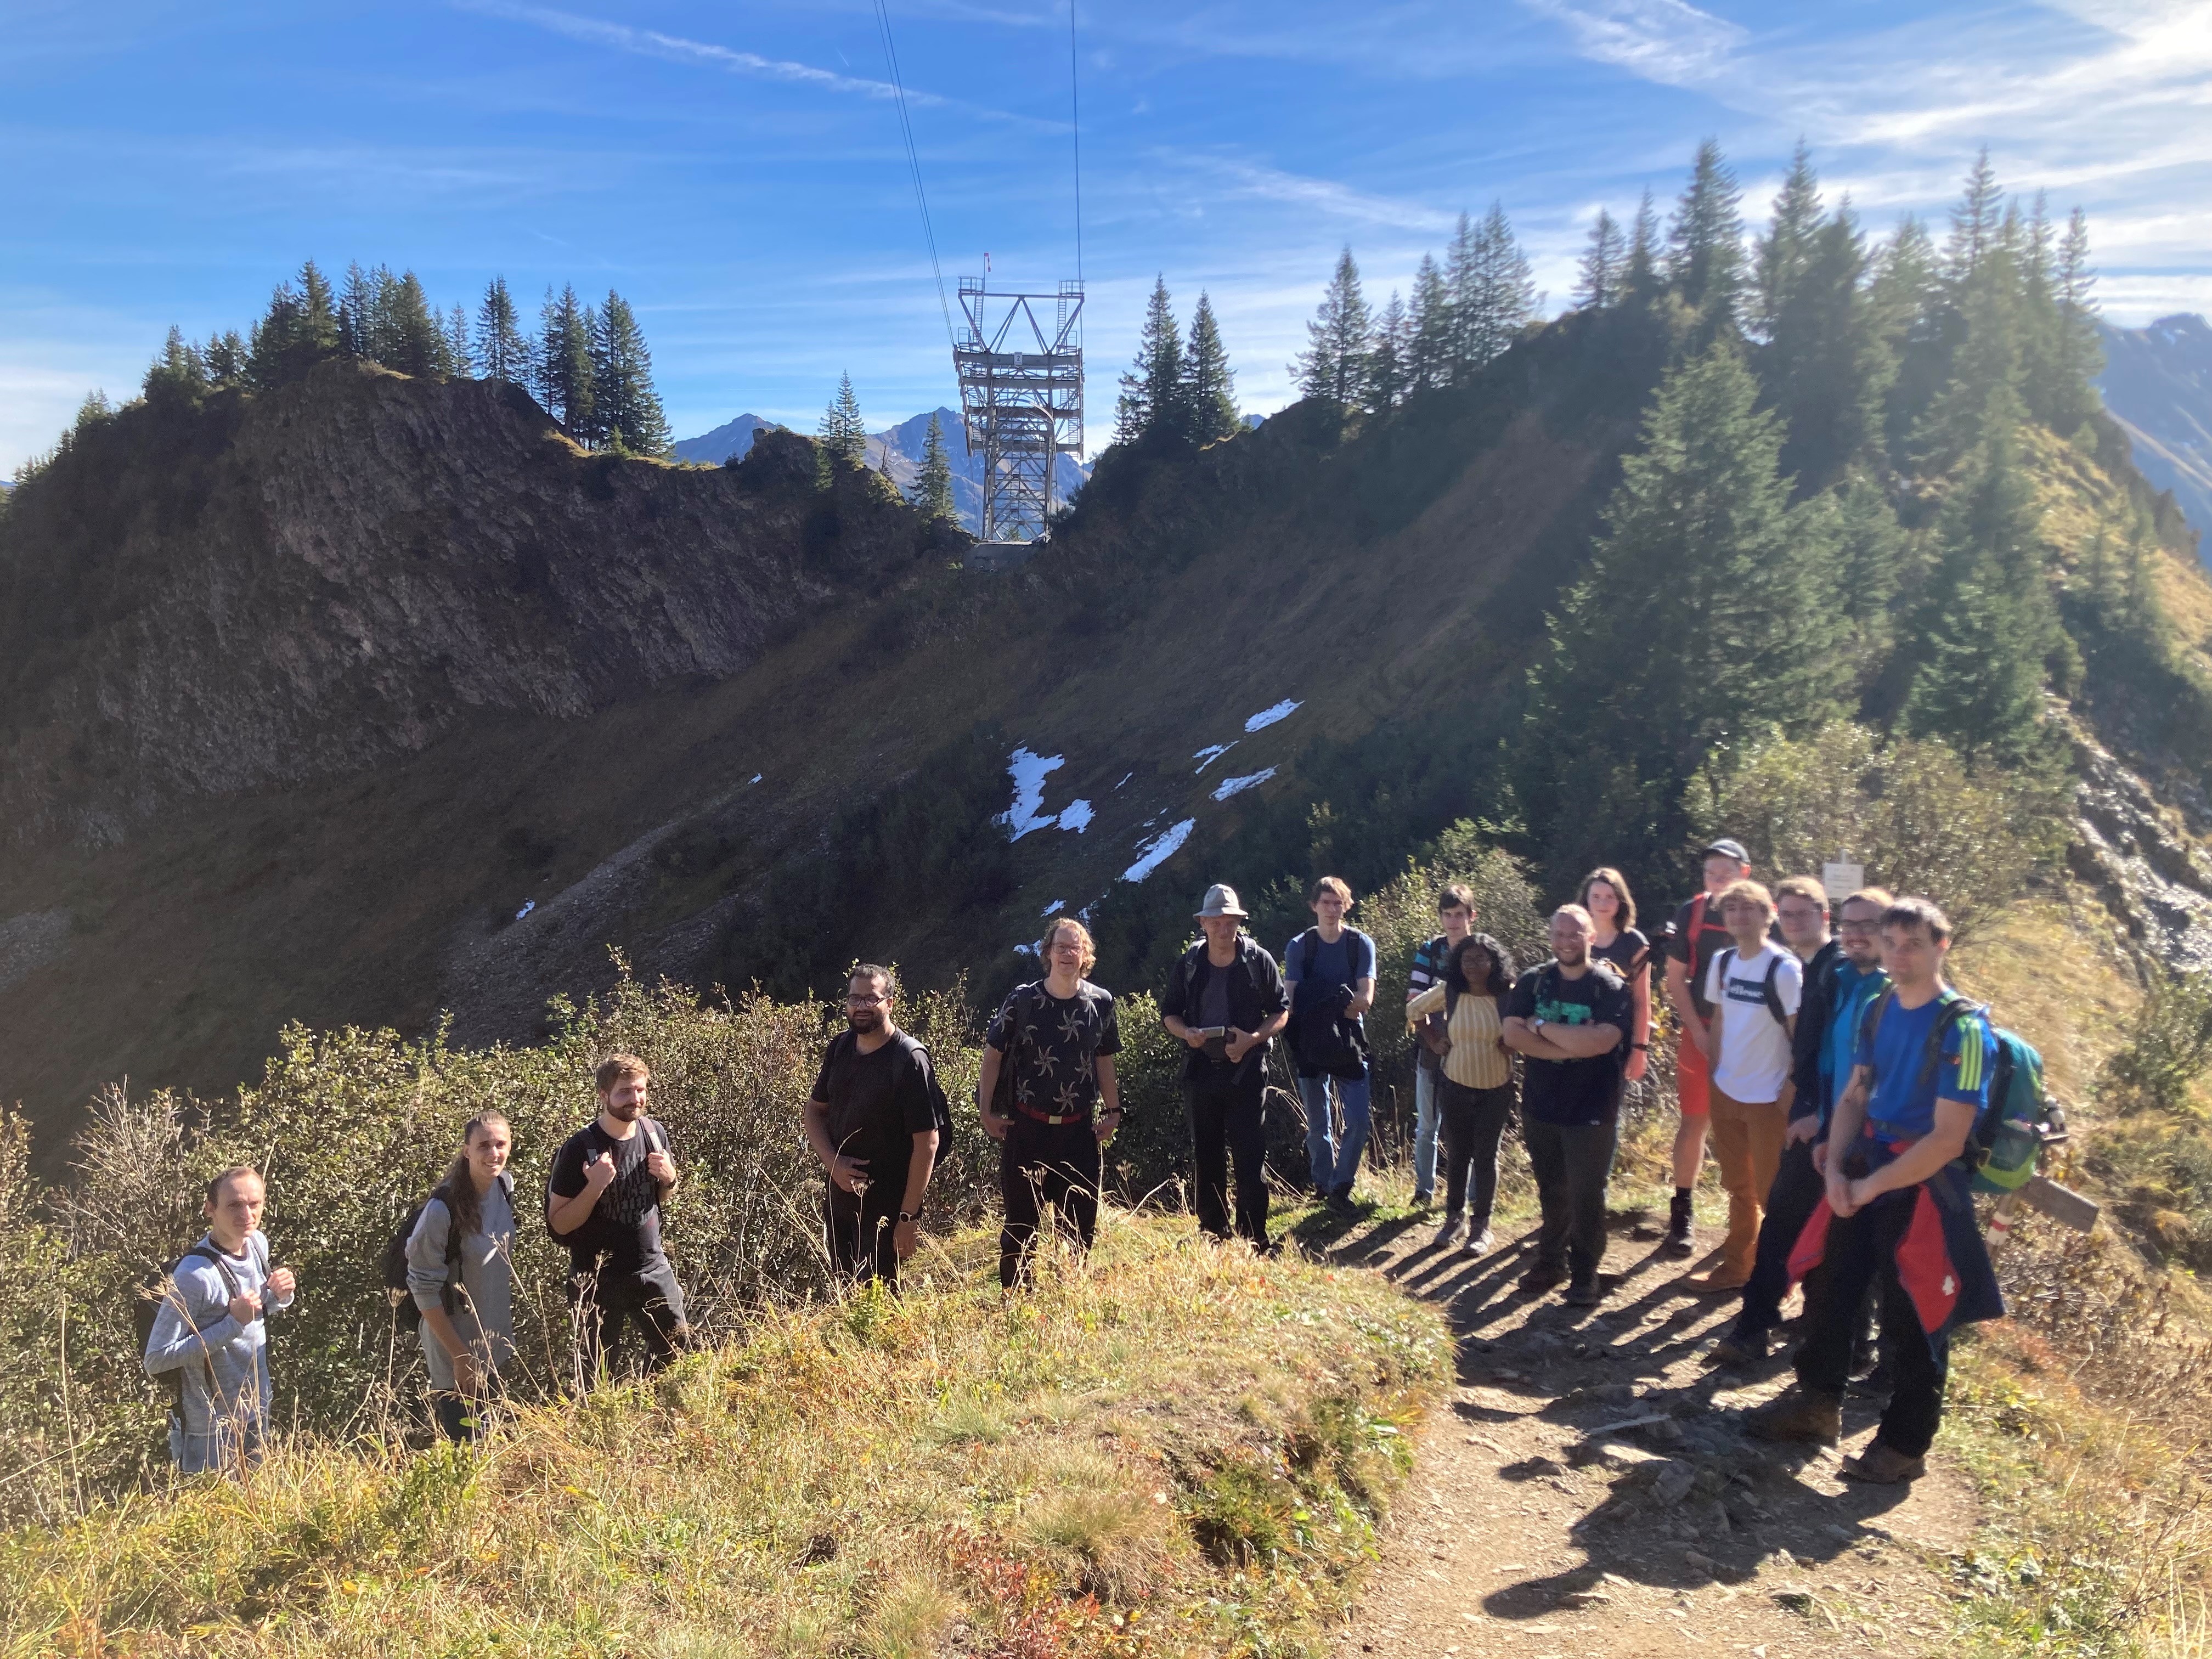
(212, 1330)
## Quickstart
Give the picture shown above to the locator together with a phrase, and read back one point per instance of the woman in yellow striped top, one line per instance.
(1475, 1094)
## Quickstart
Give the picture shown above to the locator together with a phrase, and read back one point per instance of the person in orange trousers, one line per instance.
(1754, 986)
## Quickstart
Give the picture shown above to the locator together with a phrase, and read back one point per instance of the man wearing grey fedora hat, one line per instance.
(1225, 1002)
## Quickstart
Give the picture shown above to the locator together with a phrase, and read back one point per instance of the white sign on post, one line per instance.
(1842, 880)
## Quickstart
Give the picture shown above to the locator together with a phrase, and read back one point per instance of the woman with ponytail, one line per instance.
(460, 1272)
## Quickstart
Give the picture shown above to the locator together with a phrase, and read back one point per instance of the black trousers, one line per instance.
(1573, 1165)
(608, 1303)
(1225, 1102)
(860, 1229)
(1861, 1254)
(1473, 1124)
(1797, 1191)
(1041, 1163)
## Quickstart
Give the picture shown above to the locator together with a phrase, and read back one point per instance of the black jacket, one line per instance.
(1816, 1011)
(1256, 995)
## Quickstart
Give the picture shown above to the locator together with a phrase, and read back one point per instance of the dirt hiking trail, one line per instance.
(1588, 1490)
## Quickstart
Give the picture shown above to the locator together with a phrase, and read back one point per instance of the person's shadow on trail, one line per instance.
(1684, 1497)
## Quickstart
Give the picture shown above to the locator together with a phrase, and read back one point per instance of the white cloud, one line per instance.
(1662, 40)
(1325, 196)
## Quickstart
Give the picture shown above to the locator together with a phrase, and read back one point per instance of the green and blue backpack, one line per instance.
(2020, 1117)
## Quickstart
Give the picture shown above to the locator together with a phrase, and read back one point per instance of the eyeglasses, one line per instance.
(866, 1002)
(1847, 926)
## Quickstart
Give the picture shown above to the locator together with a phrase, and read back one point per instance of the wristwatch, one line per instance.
(904, 1217)
(1537, 1025)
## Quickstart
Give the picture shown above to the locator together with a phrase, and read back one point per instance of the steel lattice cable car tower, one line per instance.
(1019, 357)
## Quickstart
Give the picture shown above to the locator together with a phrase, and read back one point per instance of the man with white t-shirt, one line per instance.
(1755, 987)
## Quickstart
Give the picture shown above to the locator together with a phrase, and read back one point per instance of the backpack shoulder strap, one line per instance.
(1769, 991)
(209, 1254)
(1719, 970)
(1950, 1008)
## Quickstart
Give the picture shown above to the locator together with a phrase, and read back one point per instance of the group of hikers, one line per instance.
(1836, 1079)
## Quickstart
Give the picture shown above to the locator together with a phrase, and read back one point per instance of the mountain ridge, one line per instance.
(2157, 384)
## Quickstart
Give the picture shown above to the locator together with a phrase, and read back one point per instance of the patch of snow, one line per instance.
(1055, 905)
(1076, 816)
(1126, 776)
(1229, 786)
(1162, 847)
(1025, 949)
(528, 905)
(1028, 772)
(1206, 757)
(755, 778)
(1268, 717)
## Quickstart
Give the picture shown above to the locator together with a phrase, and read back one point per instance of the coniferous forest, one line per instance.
(586, 364)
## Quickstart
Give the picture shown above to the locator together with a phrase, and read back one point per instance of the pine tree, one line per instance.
(932, 484)
(1906, 297)
(417, 342)
(1152, 400)
(2076, 355)
(1988, 628)
(1500, 296)
(502, 354)
(1826, 365)
(317, 327)
(1430, 354)
(1641, 279)
(1782, 255)
(564, 363)
(1604, 267)
(357, 313)
(1704, 242)
(1975, 223)
(842, 433)
(625, 407)
(459, 359)
(1208, 393)
(178, 374)
(1706, 614)
(1463, 284)
(1333, 365)
(298, 330)
(1387, 371)
(226, 356)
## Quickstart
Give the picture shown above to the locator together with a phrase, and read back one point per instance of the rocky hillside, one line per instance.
(197, 602)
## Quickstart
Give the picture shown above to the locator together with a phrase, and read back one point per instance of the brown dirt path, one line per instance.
(1533, 1527)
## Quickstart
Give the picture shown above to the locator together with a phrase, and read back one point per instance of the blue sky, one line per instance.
(737, 172)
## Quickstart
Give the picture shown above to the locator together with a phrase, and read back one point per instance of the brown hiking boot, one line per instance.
(1883, 1465)
(1736, 1353)
(1721, 1281)
(1800, 1414)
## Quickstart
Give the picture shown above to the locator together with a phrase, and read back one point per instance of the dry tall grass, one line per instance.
(1167, 1449)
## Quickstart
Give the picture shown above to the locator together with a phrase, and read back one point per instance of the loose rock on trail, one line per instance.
(1588, 1489)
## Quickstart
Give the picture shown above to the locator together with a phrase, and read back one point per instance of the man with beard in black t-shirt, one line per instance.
(872, 1122)
(603, 1201)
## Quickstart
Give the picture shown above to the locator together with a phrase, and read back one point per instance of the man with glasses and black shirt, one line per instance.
(872, 1122)
(1061, 1036)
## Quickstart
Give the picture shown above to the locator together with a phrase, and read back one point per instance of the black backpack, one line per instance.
(156, 1288)
(404, 1313)
(1329, 1042)
(940, 1108)
(1773, 997)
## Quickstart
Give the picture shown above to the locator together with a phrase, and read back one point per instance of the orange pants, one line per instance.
(1747, 1145)
(1693, 1076)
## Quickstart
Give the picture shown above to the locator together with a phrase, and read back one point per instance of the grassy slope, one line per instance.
(1167, 1449)
(342, 901)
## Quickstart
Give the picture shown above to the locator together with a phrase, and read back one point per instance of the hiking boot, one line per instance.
(1584, 1292)
(1422, 1201)
(1450, 1231)
(1734, 1352)
(1800, 1414)
(1544, 1276)
(1481, 1244)
(1678, 1240)
(1340, 1204)
(1883, 1465)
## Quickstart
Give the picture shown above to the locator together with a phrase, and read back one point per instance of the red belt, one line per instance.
(1029, 1111)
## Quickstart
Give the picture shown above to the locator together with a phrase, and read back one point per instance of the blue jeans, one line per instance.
(1335, 1162)
(1425, 1119)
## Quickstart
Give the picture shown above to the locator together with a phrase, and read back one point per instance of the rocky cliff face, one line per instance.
(204, 601)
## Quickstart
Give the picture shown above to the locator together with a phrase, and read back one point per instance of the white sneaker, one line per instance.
(1481, 1244)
